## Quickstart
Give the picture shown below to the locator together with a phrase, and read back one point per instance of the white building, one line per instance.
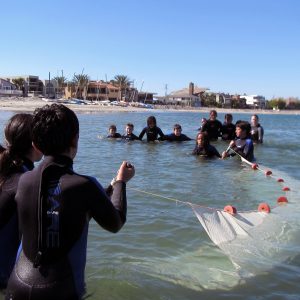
(8, 89)
(255, 101)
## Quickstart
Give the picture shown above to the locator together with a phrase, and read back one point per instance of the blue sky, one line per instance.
(234, 46)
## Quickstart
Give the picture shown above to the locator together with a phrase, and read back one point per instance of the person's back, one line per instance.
(55, 206)
(15, 159)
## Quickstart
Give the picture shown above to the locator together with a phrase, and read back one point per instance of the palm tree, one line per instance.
(123, 82)
(61, 82)
(81, 81)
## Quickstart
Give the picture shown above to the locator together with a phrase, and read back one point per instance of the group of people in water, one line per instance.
(45, 211)
(242, 135)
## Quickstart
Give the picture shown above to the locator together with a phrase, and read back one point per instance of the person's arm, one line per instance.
(142, 134)
(248, 150)
(160, 133)
(216, 152)
(226, 152)
(260, 134)
(186, 138)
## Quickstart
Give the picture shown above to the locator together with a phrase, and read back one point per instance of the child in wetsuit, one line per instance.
(204, 148)
(257, 131)
(129, 136)
(177, 135)
(243, 144)
(113, 134)
(152, 131)
(228, 128)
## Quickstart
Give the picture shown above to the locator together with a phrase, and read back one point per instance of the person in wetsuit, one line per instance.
(152, 131)
(55, 205)
(129, 136)
(16, 158)
(212, 127)
(228, 128)
(257, 131)
(204, 148)
(177, 136)
(113, 134)
(243, 144)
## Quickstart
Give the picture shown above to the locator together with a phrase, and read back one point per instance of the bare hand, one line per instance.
(126, 172)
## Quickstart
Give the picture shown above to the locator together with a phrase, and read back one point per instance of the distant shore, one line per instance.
(30, 104)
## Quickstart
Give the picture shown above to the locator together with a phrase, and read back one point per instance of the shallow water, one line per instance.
(163, 252)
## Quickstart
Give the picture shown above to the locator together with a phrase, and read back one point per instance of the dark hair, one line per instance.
(130, 125)
(213, 111)
(228, 116)
(54, 128)
(205, 139)
(177, 126)
(18, 136)
(151, 119)
(112, 127)
(245, 126)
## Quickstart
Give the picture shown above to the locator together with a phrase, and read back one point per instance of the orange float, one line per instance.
(254, 166)
(264, 207)
(230, 209)
(286, 189)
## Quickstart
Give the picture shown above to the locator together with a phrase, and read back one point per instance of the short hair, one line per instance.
(214, 112)
(54, 128)
(177, 126)
(228, 116)
(130, 125)
(151, 119)
(112, 127)
(245, 126)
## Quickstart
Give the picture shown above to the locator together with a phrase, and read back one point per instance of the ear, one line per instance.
(35, 147)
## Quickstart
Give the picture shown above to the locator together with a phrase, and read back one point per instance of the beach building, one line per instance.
(255, 101)
(33, 86)
(9, 89)
(190, 96)
(50, 89)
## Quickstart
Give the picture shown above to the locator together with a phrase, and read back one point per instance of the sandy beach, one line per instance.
(30, 104)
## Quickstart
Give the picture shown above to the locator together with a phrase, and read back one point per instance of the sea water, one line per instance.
(163, 252)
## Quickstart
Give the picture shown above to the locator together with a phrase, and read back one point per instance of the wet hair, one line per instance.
(18, 136)
(54, 128)
(113, 127)
(130, 125)
(151, 119)
(256, 116)
(228, 116)
(245, 126)
(177, 126)
(214, 112)
(205, 139)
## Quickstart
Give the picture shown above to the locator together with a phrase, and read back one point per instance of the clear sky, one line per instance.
(232, 46)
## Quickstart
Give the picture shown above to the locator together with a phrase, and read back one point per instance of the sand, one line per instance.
(30, 104)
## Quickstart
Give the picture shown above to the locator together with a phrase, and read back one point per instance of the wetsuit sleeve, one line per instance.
(160, 133)
(109, 213)
(260, 134)
(248, 150)
(216, 152)
(185, 138)
(142, 134)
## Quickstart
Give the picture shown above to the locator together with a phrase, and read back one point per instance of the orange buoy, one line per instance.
(282, 200)
(280, 180)
(286, 189)
(254, 166)
(230, 209)
(268, 172)
(264, 207)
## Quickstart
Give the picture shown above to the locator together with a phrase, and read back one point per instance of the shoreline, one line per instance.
(30, 104)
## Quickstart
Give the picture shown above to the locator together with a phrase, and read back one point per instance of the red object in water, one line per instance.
(280, 180)
(286, 189)
(230, 209)
(282, 200)
(264, 207)
(254, 166)
(268, 172)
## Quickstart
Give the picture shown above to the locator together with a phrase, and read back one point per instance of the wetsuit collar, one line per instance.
(59, 160)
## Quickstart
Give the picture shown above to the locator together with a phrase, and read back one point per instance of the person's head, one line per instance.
(177, 129)
(129, 128)
(228, 118)
(112, 129)
(242, 129)
(18, 145)
(55, 130)
(202, 139)
(213, 115)
(254, 120)
(151, 121)
(203, 121)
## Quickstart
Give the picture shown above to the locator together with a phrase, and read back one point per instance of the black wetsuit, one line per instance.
(152, 134)
(130, 137)
(257, 133)
(176, 138)
(55, 206)
(208, 151)
(9, 229)
(245, 148)
(115, 136)
(228, 132)
(213, 129)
